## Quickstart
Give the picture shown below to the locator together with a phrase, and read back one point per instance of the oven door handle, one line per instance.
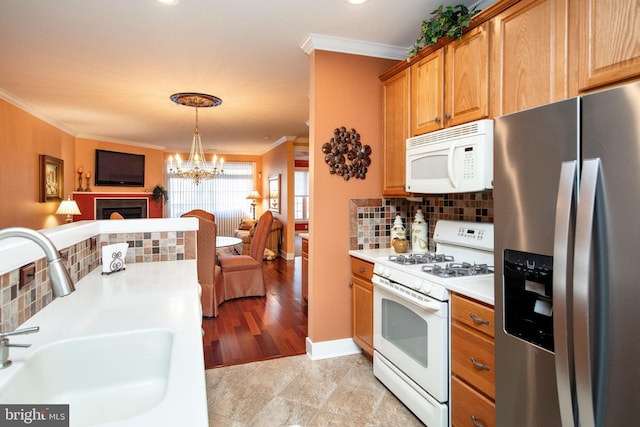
(433, 306)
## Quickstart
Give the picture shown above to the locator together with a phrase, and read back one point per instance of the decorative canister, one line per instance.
(400, 245)
(397, 229)
(419, 243)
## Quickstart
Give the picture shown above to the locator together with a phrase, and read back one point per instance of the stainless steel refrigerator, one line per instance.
(567, 267)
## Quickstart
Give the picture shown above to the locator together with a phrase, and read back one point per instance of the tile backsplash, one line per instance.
(18, 305)
(371, 219)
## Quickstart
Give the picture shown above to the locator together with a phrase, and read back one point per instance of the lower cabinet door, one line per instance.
(469, 408)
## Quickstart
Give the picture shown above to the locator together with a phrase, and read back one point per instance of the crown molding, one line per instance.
(356, 47)
(121, 141)
(17, 102)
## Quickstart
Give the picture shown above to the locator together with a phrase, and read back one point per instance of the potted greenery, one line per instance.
(160, 194)
(447, 22)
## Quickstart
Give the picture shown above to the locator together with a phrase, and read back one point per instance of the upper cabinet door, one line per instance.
(608, 41)
(395, 123)
(427, 94)
(529, 56)
(467, 78)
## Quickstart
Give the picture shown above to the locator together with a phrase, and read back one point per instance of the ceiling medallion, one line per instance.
(345, 154)
(196, 168)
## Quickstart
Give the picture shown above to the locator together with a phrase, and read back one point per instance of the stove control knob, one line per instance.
(426, 287)
(381, 270)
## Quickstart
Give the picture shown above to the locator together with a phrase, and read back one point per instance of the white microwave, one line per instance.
(458, 159)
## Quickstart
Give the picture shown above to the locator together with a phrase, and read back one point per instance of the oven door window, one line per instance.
(405, 330)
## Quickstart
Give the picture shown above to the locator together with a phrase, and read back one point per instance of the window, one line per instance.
(301, 196)
(224, 196)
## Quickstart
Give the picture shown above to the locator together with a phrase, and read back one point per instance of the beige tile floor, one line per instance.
(296, 391)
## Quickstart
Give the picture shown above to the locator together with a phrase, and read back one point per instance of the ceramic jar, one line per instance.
(400, 245)
(397, 229)
(419, 242)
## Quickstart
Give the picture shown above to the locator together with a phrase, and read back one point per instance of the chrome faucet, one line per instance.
(4, 344)
(61, 284)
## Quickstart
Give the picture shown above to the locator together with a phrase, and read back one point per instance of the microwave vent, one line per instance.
(456, 132)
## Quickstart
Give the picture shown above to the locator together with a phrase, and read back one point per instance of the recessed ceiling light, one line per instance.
(168, 2)
(357, 1)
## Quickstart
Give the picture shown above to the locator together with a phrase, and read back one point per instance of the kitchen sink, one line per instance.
(103, 378)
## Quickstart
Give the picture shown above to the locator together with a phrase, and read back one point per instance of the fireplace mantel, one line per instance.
(87, 203)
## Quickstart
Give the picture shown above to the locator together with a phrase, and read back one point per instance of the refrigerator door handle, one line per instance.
(565, 206)
(581, 287)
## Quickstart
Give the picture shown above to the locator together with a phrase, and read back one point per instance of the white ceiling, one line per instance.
(105, 69)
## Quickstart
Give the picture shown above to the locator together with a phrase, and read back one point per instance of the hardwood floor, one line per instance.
(260, 328)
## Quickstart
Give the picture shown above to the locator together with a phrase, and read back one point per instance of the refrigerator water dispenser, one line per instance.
(528, 297)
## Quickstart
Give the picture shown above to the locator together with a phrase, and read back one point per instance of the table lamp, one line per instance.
(68, 207)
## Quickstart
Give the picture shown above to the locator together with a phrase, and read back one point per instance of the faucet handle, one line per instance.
(20, 332)
(4, 344)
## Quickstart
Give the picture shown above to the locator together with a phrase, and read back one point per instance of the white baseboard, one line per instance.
(329, 349)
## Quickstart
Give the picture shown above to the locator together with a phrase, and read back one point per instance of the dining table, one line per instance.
(228, 241)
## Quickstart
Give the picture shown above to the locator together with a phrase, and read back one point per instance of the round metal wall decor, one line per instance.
(345, 154)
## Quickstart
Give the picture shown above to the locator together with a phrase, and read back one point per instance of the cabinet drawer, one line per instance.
(473, 314)
(361, 268)
(473, 358)
(469, 408)
(305, 246)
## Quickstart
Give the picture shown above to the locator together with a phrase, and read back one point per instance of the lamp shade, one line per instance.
(68, 207)
(254, 195)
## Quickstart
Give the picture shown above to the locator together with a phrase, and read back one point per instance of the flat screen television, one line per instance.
(120, 169)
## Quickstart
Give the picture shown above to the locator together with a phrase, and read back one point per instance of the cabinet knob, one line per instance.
(437, 119)
(361, 269)
(447, 116)
(350, 284)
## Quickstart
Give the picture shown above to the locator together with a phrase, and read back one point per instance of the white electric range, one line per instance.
(411, 313)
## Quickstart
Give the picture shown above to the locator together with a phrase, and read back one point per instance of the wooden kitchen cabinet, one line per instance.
(451, 85)
(362, 304)
(472, 363)
(608, 41)
(395, 123)
(471, 408)
(529, 56)
(305, 268)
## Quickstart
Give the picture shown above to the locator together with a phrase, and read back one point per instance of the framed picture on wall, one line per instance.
(274, 193)
(51, 178)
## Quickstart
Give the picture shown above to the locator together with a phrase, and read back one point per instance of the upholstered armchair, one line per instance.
(247, 229)
(242, 275)
(209, 273)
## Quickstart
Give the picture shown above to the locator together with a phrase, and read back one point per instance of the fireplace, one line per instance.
(128, 208)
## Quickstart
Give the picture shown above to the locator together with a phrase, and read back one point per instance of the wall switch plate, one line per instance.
(27, 275)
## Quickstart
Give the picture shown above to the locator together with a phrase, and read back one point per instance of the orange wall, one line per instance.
(279, 160)
(22, 138)
(345, 91)
(86, 157)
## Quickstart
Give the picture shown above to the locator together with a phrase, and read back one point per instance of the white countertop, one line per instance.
(158, 295)
(16, 252)
(480, 290)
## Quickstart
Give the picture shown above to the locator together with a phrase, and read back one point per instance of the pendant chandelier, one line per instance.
(196, 168)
